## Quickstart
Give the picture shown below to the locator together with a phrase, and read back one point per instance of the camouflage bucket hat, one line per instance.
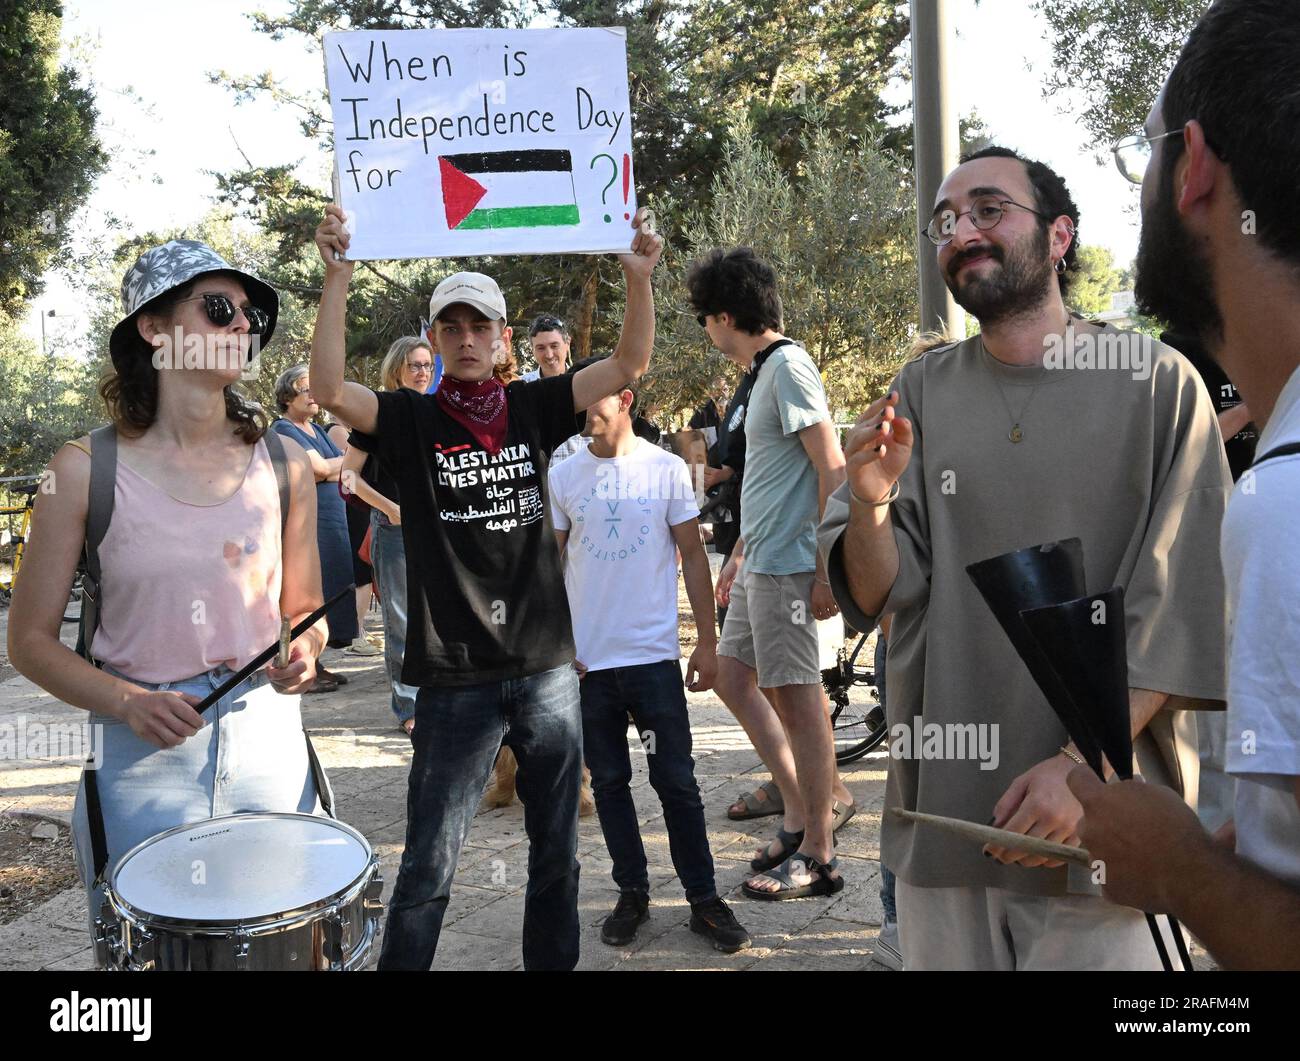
(161, 269)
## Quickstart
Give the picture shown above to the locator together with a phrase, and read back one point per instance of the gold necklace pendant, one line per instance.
(1016, 435)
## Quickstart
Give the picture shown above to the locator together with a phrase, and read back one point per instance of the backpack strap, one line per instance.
(99, 513)
(1290, 449)
(280, 463)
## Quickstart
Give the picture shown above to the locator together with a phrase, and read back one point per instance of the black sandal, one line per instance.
(821, 884)
(789, 845)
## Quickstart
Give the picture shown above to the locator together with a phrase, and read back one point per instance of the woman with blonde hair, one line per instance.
(408, 363)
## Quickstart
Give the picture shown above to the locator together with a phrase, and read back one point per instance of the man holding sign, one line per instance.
(489, 640)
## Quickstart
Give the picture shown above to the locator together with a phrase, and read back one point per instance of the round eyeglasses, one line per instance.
(1133, 153)
(985, 213)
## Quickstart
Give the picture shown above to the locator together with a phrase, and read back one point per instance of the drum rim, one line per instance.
(145, 919)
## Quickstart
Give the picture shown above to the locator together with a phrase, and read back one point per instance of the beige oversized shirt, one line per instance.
(1135, 468)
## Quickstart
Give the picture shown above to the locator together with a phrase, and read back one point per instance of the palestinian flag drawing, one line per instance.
(508, 189)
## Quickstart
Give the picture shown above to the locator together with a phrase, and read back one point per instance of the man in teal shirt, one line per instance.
(774, 583)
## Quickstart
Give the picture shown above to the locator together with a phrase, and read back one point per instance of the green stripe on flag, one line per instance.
(521, 217)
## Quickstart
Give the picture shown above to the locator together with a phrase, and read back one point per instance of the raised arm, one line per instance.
(637, 338)
(878, 449)
(350, 402)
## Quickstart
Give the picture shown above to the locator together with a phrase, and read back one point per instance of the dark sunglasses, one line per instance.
(221, 311)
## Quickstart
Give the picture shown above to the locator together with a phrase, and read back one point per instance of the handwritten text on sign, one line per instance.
(451, 143)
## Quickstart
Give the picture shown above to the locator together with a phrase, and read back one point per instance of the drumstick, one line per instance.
(286, 636)
(987, 834)
(265, 655)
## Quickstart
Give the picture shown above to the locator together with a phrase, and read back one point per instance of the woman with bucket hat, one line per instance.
(196, 566)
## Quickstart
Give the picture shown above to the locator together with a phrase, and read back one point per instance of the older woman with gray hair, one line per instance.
(297, 408)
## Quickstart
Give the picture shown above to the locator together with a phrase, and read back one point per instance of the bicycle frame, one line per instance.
(19, 540)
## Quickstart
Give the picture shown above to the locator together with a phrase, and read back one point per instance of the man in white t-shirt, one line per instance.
(1220, 254)
(621, 509)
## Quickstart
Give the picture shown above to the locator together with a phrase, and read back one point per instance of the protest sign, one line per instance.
(452, 143)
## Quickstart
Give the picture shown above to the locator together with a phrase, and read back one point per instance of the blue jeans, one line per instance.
(653, 695)
(458, 731)
(388, 558)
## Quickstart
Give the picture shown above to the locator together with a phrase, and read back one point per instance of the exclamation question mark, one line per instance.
(612, 178)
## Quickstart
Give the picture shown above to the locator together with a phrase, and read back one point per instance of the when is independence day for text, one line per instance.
(450, 127)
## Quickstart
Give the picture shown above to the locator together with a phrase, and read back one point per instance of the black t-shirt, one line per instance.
(485, 593)
(1241, 447)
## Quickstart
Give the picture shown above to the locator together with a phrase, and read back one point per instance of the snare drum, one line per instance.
(243, 891)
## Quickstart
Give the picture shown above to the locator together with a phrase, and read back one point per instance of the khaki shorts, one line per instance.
(770, 628)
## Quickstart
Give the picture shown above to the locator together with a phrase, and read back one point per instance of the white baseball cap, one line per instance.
(474, 289)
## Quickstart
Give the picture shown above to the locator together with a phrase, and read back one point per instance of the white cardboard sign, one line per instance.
(452, 143)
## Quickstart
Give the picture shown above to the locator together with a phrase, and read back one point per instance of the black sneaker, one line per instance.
(712, 918)
(620, 927)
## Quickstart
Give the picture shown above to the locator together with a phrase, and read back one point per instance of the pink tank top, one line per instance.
(188, 587)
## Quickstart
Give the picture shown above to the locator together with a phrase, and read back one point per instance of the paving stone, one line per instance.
(461, 950)
(82, 961)
(368, 761)
(825, 944)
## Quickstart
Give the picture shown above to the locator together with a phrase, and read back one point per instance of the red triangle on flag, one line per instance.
(460, 192)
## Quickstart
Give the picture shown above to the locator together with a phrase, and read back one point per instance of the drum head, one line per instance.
(240, 868)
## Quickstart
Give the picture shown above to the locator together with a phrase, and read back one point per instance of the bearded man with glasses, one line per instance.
(986, 446)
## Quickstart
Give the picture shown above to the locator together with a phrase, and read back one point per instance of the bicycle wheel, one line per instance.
(856, 728)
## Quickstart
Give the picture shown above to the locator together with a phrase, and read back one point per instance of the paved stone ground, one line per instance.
(367, 758)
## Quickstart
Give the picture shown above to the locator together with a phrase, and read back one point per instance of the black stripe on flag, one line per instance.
(512, 161)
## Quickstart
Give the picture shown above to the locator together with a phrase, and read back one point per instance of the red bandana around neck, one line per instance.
(479, 407)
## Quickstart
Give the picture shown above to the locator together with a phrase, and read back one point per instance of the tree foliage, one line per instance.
(47, 400)
(1115, 54)
(1097, 279)
(839, 238)
(49, 153)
